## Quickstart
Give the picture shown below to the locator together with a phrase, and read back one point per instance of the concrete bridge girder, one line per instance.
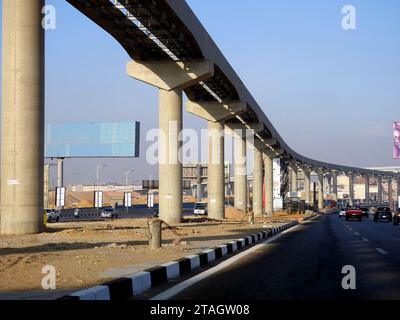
(171, 75)
(215, 111)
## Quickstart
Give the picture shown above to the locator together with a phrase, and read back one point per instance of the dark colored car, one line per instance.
(354, 214)
(365, 212)
(383, 214)
(396, 217)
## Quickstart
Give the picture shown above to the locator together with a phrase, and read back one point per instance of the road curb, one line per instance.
(130, 286)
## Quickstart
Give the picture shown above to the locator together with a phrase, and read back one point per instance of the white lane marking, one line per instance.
(356, 233)
(168, 294)
(381, 251)
(365, 239)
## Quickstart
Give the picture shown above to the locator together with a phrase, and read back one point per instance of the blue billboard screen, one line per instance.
(92, 140)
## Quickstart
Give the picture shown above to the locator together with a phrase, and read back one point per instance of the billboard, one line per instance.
(92, 140)
(60, 197)
(128, 199)
(396, 140)
(98, 199)
(278, 200)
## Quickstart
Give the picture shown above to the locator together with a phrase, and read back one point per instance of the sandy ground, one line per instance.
(89, 253)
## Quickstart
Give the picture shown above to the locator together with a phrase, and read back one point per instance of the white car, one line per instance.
(200, 208)
(52, 215)
(109, 213)
(342, 213)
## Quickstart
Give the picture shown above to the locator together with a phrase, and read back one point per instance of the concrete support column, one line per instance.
(367, 200)
(329, 185)
(398, 193)
(269, 185)
(293, 179)
(170, 166)
(257, 182)
(334, 186)
(320, 190)
(390, 193)
(307, 186)
(60, 172)
(351, 189)
(199, 194)
(171, 78)
(240, 188)
(379, 182)
(216, 171)
(22, 119)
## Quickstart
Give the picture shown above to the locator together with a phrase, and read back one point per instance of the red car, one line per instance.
(354, 214)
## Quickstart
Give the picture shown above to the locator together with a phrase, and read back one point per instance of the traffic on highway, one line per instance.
(307, 262)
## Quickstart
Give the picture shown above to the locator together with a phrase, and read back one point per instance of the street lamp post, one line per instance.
(98, 173)
(127, 176)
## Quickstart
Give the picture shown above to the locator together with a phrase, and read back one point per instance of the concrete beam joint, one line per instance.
(215, 111)
(256, 126)
(272, 142)
(279, 151)
(171, 75)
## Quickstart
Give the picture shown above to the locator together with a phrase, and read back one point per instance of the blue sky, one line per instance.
(332, 94)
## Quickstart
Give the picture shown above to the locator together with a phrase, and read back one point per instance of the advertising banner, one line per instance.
(396, 140)
(93, 140)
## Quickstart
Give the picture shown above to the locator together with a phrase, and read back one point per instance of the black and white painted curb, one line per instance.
(131, 286)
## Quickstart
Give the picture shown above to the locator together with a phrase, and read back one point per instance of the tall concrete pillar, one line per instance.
(379, 182)
(390, 193)
(22, 146)
(199, 194)
(171, 77)
(367, 200)
(329, 185)
(60, 172)
(320, 190)
(351, 189)
(307, 186)
(293, 179)
(257, 182)
(335, 185)
(217, 114)
(216, 171)
(170, 149)
(240, 188)
(269, 185)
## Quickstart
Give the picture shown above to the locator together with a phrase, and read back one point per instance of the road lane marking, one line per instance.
(356, 233)
(171, 292)
(381, 251)
(365, 239)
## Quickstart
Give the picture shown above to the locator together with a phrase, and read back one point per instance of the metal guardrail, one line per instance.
(137, 210)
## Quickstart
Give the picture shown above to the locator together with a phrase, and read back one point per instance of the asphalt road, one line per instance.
(306, 263)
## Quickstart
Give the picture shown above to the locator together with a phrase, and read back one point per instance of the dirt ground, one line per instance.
(89, 253)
